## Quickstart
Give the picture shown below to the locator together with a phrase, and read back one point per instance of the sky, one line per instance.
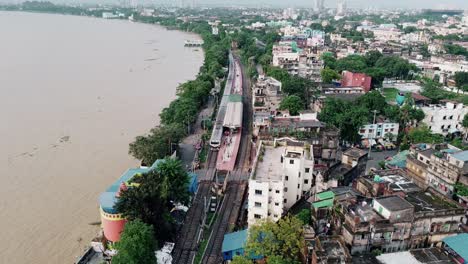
(444, 4)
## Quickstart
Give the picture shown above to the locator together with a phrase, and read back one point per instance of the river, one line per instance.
(74, 92)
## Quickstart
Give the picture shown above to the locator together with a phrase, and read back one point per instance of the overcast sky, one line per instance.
(458, 4)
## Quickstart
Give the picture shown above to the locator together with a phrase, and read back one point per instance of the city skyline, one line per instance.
(412, 4)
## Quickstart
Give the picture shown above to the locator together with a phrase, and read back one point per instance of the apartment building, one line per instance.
(444, 118)
(397, 215)
(266, 98)
(281, 175)
(447, 167)
(379, 132)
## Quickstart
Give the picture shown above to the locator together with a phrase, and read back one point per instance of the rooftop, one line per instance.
(425, 201)
(415, 256)
(236, 240)
(394, 203)
(355, 152)
(459, 244)
(270, 168)
(398, 182)
(365, 212)
(463, 155)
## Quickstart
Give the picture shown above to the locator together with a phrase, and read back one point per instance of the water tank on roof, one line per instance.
(400, 98)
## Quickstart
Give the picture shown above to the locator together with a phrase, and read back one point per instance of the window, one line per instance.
(269, 190)
(291, 161)
(306, 181)
(307, 170)
(276, 204)
(297, 197)
(277, 191)
(281, 159)
(299, 175)
(258, 192)
(285, 189)
(286, 178)
(257, 204)
(298, 186)
(285, 200)
(444, 118)
(257, 216)
(275, 216)
(442, 127)
(451, 117)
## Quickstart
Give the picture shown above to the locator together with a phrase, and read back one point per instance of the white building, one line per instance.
(444, 118)
(281, 176)
(379, 132)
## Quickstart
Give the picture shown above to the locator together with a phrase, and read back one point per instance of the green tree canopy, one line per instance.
(241, 260)
(137, 244)
(328, 75)
(305, 216)
(461, 79)
(157, 144)
(292, 103)
(465, 121)
(284, 239)
(353, 63)
(423, 134)
(154, 196)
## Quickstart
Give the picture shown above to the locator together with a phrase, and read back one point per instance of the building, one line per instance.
(234, 244)
(444, 118)
(281, 175)
(351, 79)
(415, 256)
(417, 164)
(402, 214)
(341, 7)
(305, 62)
(330, 249)
(457, 248)
(319, 5)
(447, 167)
(380, 132)
(112, 221)
(266, 98)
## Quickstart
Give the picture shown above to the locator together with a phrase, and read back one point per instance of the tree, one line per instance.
(372, 101)
(154, 196)
(292, 103)
(157, 144)
(284, 239)
(353, 63)
(329, 60)
(175, 180)
(423, 134)
(465, 122)
(328, 75)
(240, 260)
(372, 57)
(410, 29)
(305, 216)
(461, 79)
(136, 245)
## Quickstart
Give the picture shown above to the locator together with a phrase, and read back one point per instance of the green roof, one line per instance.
(324, 203)
(234, 241)
(459, 244)
(325, 195)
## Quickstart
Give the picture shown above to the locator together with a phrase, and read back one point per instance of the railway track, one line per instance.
(227, 218)
(186, 247)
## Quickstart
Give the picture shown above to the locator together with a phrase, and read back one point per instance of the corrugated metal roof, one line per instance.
(236, 240)
(325, 195)
(324, 203)
(459, 244)
(463, 155)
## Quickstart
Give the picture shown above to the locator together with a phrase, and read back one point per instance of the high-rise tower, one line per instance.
(318, 5)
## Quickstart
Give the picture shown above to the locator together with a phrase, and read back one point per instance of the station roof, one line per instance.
(233, 117)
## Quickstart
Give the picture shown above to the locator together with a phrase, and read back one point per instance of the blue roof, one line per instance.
(236, 240)
(459, 244)
(107, 199)
(463, 155)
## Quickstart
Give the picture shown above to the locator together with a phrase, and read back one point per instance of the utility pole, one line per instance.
(370, 138)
